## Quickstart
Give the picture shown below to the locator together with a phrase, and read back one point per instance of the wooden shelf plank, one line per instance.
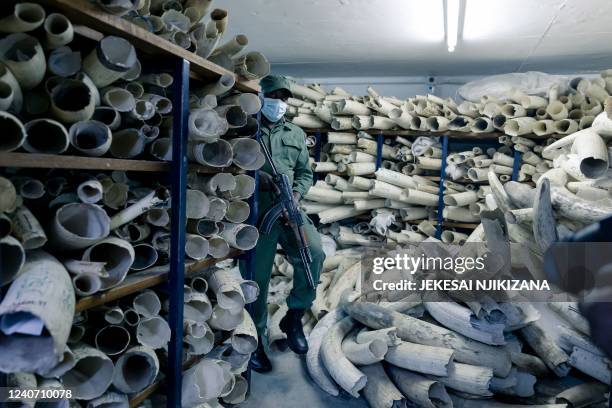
(142, 280)
(95, 19)
(450, 134)
(53, 161)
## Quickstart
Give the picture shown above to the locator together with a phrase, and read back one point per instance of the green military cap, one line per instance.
(275, 82)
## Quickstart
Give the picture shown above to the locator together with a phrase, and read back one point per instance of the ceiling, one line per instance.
(343, 38)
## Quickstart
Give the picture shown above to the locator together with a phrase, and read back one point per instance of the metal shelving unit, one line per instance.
(451, 141)
(93, 23)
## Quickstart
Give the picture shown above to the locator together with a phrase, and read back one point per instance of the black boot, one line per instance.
(259, 360)
(291, 325)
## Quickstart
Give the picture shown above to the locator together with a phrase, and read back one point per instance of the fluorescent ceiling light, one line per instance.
(452, 23)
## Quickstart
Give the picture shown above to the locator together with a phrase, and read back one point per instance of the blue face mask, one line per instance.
(273, 109)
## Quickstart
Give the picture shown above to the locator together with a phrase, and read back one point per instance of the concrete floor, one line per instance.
(289, 385)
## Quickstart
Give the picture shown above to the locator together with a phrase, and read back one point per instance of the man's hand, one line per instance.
(297, 197)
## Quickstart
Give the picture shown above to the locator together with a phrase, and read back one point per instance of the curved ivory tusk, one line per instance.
(112, 340)
(14, 94)
(111, 60)
(461, 320)
(90, 191)
(119, 256)
(364, 353)
(339, 367)
(197, 204)
(72, 101)
(145, 256)
(379, 391)
(78, 225)
(253, 65)
(592, 153)
(569, 311)
(235, 116)
(86, 284)
(415, 330)
(206, 125)
(198, 308)
(216, 154)
(46, 136)
(226, 286)
(425, 392)
(25, 17)
(161, 149)
(244, 336)
(8, 196)
(546, 348)
(196, 246)
(29, 188)
(147, 304)
(66, 363)
(468, 378)
(91, 375)
(591, 364)
(204, 382)
(109, 399)
(199, 337)
(240, 236)
(218, 247)
(127, 143)
(420, 358)
(199, 284)
(158, 198)
(224, 84)
(238, 393)
(28, 65)
(205, 228)
(58, 31)
(135, 370)
(313, 359)
(27, 228)
(395, 178)
(90, 137)
(13, 259)
(582, 395)
(249, 103)
(153, 332)
(14, 133)
(544, 225)
(461, 199)
(247, 154)
(223, 319)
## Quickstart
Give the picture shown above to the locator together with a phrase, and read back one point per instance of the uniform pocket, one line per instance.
(291, 152)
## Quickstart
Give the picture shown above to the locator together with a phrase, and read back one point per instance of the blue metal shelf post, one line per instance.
(249, 257)
(441, 191)
(516, 165)
(317, 154)
(379, 146)
(180, 102)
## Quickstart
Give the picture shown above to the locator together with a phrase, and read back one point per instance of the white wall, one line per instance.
(401, 87)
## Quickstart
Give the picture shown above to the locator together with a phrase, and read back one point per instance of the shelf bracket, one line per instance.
(441, 191)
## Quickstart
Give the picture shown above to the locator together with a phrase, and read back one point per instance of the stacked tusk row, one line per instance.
(66, 235)
(185, 24)
(451, 352)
